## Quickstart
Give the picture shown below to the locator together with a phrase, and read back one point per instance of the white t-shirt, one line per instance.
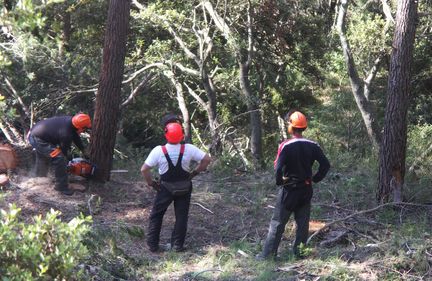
(191, 154)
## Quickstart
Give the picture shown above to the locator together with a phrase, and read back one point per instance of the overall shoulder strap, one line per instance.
(165, 152)
(182, 148)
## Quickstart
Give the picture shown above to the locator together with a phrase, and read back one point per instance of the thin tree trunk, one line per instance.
(360, 89)
(182, 105)
(66, 33)
(216, 145)
(108, 99)
(393, 148)
(282, 128)
(244, 62)
(254, 115)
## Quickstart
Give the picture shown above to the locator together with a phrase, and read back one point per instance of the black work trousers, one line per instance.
(181, 209)
(43, 161)
(289, 200)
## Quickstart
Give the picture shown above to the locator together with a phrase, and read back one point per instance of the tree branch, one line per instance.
(341, 28)
(15, 95)
(196, 96)
(141, 70)
(135, 91)
(185, 69)
(373, 71)
(387, 11)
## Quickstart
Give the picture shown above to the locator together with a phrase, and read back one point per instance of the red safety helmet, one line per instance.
(81, 122)
(174, 133)
(297, 120)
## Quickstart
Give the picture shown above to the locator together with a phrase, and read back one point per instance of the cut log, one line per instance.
(8, 157)
(4, 180)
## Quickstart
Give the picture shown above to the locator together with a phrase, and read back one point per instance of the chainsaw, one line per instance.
(81, 167)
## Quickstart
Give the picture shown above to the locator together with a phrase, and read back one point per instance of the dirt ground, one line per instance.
(223, 211)
(214, 218)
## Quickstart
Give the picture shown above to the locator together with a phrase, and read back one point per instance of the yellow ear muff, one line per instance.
(290, 129)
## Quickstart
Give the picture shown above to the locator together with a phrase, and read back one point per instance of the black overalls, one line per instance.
(162, 201)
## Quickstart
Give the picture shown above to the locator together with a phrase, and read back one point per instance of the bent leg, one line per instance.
(43, 150)
(61, 177)
(41, 166)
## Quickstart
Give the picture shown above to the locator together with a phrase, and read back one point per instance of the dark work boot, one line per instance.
(61, 176)
(65, 191)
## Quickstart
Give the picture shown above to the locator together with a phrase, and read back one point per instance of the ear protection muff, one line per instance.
(290, 129)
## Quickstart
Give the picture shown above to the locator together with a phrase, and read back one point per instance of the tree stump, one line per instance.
(8, 158)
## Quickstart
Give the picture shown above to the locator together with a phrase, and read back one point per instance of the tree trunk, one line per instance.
(108, 98)
(359, 88)
(216, 144)
(244, 59)
(182, 105)
(393, 148)
(254, 114)
(66, 33)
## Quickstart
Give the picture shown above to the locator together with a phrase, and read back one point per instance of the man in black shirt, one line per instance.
(293, 168)
(52, 139)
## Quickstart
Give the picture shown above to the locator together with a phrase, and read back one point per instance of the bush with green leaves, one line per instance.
(46, 249)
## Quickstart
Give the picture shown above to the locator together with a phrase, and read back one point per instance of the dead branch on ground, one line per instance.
(364, 212)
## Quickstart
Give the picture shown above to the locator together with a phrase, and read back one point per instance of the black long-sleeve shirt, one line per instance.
(296, 158)
(59, 131)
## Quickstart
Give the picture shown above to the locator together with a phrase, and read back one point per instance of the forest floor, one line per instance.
(228, 220)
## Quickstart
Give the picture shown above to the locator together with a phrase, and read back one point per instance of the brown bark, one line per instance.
(108, 99)
(393, 148)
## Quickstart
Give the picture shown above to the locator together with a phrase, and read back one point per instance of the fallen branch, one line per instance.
(364, 212)
(198, 204)
(89, 202)
(201, 272)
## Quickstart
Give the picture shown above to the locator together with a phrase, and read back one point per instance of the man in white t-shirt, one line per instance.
(174, 163)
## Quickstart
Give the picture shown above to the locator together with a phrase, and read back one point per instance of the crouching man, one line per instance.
(52, 139)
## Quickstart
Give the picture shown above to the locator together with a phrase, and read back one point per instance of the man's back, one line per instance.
(54, 129)
(296, 159)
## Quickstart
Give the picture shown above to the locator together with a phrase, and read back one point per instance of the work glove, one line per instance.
(155, 185)
(193, 174)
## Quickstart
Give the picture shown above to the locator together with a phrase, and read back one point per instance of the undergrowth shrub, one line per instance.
(228, 165)
(46, 249)
(131, 159)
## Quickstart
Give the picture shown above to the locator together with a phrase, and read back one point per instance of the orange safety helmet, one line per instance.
(81, 122)
(174, 133)
(297, 120)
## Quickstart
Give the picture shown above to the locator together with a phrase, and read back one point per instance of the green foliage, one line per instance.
(418, 149)
(46, 249)
(227, 164)
(368, 35)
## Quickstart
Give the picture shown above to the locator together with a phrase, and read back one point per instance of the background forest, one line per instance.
(232, 70)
